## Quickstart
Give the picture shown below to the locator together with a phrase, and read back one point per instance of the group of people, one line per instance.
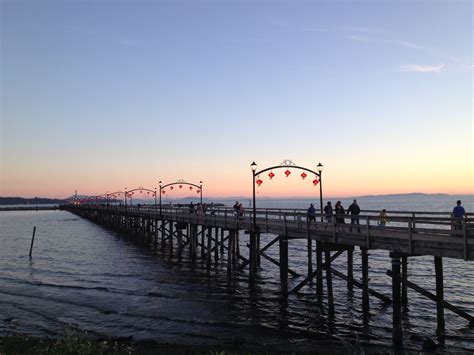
(201, 207)
(353, 210)
(458, 215)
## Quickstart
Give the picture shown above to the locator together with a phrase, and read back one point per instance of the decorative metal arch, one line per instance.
(287, 163)
(180, 182)
(141, 188)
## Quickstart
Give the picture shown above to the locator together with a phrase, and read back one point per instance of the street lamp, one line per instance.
(125, 197)
(253, 167)
(155, 197)
(320, 171)
(200, 190)
(160, 195)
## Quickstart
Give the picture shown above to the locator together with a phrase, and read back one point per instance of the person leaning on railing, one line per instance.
(383, 219)
(311, 213)
(458, 215)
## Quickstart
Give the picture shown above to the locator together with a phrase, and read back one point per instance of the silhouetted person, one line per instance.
(383, 219)
(340, 212)
(459, 213)
(328, 212)
(354, 211)
(311, 213)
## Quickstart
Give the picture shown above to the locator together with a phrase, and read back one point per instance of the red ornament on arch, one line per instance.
(190, 187)
(180, 186)
(271, 175)
(303, 175)
(259, 182)
(287, 172)
(315, 182)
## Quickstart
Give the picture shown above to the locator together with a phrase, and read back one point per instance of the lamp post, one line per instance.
(125, 197)
(320, 171)
(200, 190)
(253, 167)
(155, 196)
(253, 234)
(160, 195)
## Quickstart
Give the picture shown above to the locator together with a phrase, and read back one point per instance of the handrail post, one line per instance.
(464, 234)
(368, 233)
(410, 236)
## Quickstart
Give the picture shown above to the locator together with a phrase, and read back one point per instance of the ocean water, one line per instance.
(87, 278)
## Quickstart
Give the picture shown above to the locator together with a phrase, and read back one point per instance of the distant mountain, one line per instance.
(412, 194)
(29, 201)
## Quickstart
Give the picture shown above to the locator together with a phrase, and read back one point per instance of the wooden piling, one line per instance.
(365, 283)
(319, 269)
(309, 247)
(396, 304)
(222, 240)
(230, 248)
(209, 247)
(203, 251)
(252, 257)
(404, 279)
(180, 243)
(350, 269)
(216, 246)
(32, 240)
(171, 238)
(283, 246)
(327, 260)
(439, 294)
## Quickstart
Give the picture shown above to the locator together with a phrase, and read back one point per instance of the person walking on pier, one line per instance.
(340, 212)
(311, 214)
(383, 219)
(354, 211)
(458, 215)
(241, 210)
(236, 208)
(328, 212)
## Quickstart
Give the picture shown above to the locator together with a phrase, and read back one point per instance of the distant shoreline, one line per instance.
(32, 208)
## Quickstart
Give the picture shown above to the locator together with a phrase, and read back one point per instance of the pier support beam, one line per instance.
(230, 252)
(309, 246)
(252, 257)
(350, 269)
(171, 238)
(319, 269)
(404, 281)
(208, 249)
(327, 261)
(283, 244)
(397, 306)
(365, 283)
(439, 294)
(216, 246)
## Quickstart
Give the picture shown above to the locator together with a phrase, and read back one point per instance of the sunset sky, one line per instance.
(97, 96)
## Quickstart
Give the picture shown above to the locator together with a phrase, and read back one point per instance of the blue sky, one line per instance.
(100, 94)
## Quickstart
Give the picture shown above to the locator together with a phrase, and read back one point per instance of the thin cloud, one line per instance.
(385, 41)
(417, 68)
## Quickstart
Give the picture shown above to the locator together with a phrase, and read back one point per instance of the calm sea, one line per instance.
(85, 278)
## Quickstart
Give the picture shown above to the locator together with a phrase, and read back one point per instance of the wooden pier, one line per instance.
(214, 234)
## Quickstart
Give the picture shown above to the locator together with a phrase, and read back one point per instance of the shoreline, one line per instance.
(74, 343)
